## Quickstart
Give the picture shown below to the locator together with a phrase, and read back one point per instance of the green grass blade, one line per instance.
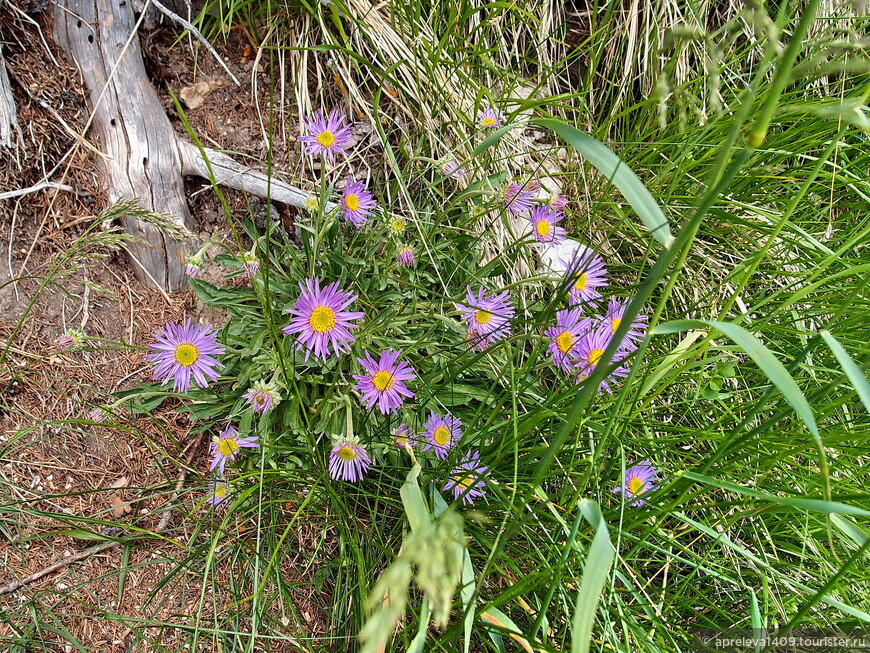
(763, 357)
(601, 554)
(615, 169)
(862, 387)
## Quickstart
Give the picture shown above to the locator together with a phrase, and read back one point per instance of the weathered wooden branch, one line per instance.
(144, 158)
(10, 132)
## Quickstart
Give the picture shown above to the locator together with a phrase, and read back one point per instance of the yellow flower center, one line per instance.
(594, 356)
(635, 485)
(614, 324)
(401, 441)
(488, 122)
(186, 354)
(221, 490)
(564, 341)
(580, 281)
(347, 453)
(482, 317)
(228, 446)
(398, 225)
(312, 203)
(322, 319)
(351, 202)
(463, 481)
(383, 381)
(326, 139)
(441, 436)
(543, 228)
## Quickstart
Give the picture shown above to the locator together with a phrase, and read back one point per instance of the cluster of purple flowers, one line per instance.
(349, 460)
(323, 325)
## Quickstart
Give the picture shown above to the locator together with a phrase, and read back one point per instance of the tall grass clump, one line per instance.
(651, 428)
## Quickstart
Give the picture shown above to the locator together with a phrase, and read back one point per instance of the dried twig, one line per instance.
(199, 37)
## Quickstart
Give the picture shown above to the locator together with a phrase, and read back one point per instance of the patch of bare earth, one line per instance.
(66, 482)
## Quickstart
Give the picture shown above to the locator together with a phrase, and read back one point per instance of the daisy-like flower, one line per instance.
(586, 273)
(225, 447)
(543, 221)
(262, 396)
(312, 203)
(193, 266)
(518, 198)
(219, 492)
(613, 317)
(442, 433)
(402, 436)
(466, 480)
(639, 479)
(570, 329)
(70, 339)
(326, 136)
(358, 203)
(490, 118)
(383, 384)
(487, 316)
(590, 348)
(348, 461)
(455, 171)
(320, 321)
(406, 257)
(250, 264)
(182, 352)
(396, 225)
(558, 202)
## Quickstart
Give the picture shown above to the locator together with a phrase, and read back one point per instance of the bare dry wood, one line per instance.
(128, 120)
(10, 132)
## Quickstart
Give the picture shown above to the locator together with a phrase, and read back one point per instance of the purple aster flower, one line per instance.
(455, 171)
(639, 479)
(543, 221)
(320, 321)
(406, 257)
(490, 118)
(518, 198)
(466, 480)
(184, 351)
(402, 436)
(262, 396)
(326, 137)
(250, 265)
(442, 433)
(591, 348)
(348, 461)
(225, 447)
(384, 382)
(70, 339)
(219, 492)
(570, 329)
(586, 273)
(193, 266)
(559, 202)
(357, 202)
(97, 415)
(637, 330)
(487, 316)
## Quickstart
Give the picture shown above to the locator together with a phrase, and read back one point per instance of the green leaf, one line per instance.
(615, 169)
(498, 618)
(595, 574)
(810, 505)
(763, 357)
(413, 501)
(854, 374)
